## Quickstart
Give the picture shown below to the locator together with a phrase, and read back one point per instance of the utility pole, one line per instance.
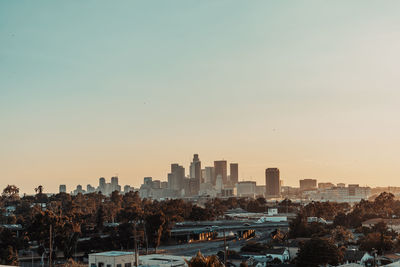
(51, 247)
(226, 253)
(136, 249)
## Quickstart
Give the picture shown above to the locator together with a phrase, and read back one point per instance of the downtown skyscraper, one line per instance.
(272, 183)
(220, 169)
(195, 175)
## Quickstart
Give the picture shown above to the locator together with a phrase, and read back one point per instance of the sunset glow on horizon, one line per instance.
(93, 89)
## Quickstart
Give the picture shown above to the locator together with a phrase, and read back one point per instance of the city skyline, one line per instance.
(186, 173)
(90, 90)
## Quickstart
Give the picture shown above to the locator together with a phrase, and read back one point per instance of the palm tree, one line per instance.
(39, 190)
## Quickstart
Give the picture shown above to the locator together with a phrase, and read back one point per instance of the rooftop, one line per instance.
(113, 253)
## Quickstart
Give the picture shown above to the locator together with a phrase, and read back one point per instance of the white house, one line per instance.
(278, 253)
(275, 253)
(272, 211)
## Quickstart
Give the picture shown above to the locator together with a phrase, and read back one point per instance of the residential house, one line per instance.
(269, 255)
(357, 256)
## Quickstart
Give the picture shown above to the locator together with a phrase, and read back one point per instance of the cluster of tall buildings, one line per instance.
(219, 180)
(210, 180)
(222, 180)
(103, 187)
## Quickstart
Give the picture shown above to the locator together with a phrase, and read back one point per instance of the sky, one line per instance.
(101, 88)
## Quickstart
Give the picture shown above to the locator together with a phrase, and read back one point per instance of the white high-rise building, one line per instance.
(208, 174)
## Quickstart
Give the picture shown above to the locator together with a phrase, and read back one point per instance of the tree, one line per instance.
(39, 190)
(11, 192)
(341, 219)
(154, 228)
(341, 235)
(200, 261)
(39, 228)
(9, 245)
(100, 219)
(40, 197)
(200, 214)
(66, 236)
(9, 256)
(376, 241)
(316, 252)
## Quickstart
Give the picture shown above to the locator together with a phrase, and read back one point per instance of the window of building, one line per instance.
(119, 265)
(108, 265)
(101, 264)
(93, 265)
(128, 264)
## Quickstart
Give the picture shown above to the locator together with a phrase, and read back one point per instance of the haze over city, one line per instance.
(103, 88)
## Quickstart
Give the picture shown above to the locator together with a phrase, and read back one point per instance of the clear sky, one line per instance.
(97, 88)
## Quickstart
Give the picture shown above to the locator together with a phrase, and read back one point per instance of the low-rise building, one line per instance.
(127, 259)
(269, 255)
(351, 194)
(161, 260)
(272, 211)
(246, 189)
(112, 259)
(356, 256)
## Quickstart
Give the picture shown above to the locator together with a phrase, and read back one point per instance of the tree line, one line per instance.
(101, 222)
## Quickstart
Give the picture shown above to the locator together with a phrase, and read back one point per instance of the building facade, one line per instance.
(220, 168)
(246, 189)
(176, 177)
(272, 183)
(234, 173)
(308, 184)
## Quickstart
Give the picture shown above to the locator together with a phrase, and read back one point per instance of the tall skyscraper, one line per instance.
(195, 167)
(114, 184)
(220, 169)
(102, 185)
(114, 180)
(102, 182)
(176, 177)
(272, 183)
(63, 188)
(195, 175)
(234, 173)
(148, 181)
(209, 174)
(90, 189)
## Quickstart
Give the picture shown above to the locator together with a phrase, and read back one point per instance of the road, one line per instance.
(210, 247)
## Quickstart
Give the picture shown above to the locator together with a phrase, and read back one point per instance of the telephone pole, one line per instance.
(51, 247)
(226, 253)
(136, 249)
